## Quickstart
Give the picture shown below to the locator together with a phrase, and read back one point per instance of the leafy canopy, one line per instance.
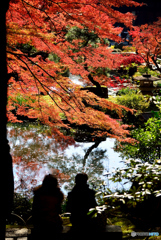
(147, 42)
(73, 32)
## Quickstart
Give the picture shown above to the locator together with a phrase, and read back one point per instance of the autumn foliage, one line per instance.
(38, 28)
(147, 41)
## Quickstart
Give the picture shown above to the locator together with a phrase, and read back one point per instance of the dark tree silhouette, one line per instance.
(6, 176)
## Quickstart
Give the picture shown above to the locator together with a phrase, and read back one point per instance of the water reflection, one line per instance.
(70, 166)
(35, 154)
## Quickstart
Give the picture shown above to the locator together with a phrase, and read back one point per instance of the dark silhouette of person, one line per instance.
(46, 209)
(79, 201)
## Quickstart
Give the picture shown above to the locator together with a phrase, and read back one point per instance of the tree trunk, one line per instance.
(6, 176)
(95, 145)
(98, 86)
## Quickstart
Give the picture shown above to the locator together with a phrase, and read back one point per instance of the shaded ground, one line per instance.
(18, 232)
(115, 216)
(131, 224)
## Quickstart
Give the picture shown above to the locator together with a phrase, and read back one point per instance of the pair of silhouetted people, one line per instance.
(47, 206)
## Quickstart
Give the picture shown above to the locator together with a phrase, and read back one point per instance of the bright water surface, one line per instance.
(34, 155)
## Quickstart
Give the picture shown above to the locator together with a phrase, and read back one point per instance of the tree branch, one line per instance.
(98, 86)
(95, 145)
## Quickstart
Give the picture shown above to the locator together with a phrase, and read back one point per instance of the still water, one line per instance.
(35, 154)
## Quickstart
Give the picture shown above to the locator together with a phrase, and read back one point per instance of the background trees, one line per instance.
(147, 41)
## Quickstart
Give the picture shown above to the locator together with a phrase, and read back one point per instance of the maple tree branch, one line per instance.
(98, 86)
(57, 3)
(38, 97)
(156, 64)
(41, 84)
(43, 54)
(29, 14)
(47, 74)
(22, 55)
(41, 10)
(59, 85)
(11, 14)
(33, 20)
(44, 86)
(16, 77)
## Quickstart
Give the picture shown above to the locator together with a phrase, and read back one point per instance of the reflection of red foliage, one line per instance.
(28, 149)
(26, 174)
(60, 176)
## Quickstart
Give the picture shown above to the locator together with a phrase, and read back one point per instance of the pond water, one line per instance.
(35, 154)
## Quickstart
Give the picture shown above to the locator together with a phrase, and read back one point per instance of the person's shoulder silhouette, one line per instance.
(80, 200)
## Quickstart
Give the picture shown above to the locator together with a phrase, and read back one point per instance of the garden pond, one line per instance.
(35, 155)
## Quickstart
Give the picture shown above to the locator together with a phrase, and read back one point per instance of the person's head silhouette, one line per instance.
(50, 181)
(81, 179)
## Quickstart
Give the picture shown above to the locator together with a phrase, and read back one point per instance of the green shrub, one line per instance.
(144, 179)
(125, 91)
(133, 101)
(144, 70)
(147, 147)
